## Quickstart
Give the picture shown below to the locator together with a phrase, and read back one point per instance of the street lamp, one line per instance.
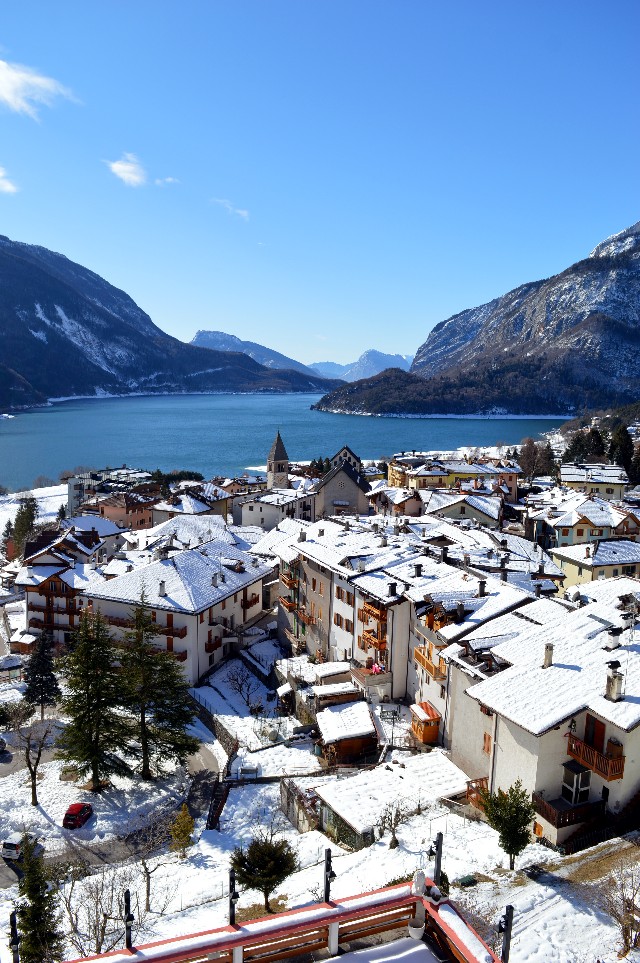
(329, 875)
(504, 927)
(15, 940)
(234, 896)
(128, 920)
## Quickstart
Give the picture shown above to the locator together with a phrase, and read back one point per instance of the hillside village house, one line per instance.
(190, 499)
(201, 600)
(102, 481)
(565, 714)
(597, 560)
(386, 500)
(486, 510)
(132, 509)
(342, 491)
(562, 517)
(608, 481)
(427, 470)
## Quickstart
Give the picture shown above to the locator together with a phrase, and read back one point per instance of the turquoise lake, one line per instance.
(221, 434)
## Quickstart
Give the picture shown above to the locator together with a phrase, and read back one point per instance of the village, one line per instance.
(372, 651)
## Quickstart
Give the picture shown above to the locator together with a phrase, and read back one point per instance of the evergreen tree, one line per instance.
(156, 695)
(621, 448)
(42, 687)
(62, 512)
(96, 730)
(264, 865)
(24, 522)
(510, 813)
(41, 940)
(181, 830)
(595, 449)
(634, 470)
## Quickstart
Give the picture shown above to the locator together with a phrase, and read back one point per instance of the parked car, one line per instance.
(12, 845)
(77, 815)
(3, 745)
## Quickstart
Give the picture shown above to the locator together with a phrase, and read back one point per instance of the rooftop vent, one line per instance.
(445, 553)
(417, 568)
(383, 541)
(613, 691)
(302, 537)
(482, 588)
(162, 589)
(460, 611)
(613, 638)
(214, 580)
(548, 655)
(320, 532)
(392, 588)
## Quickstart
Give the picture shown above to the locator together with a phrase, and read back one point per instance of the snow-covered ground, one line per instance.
(49, 501)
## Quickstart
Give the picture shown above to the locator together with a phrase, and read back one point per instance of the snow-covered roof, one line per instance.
(335, 688)
(610, 552)
(536, 698)
(324, 670)
(345, 722)
(188, 579)
(85, 523)
(422, 779)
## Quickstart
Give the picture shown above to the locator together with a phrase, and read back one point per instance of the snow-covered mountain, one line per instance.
(220, 341)
(369, 363)
(65, 331)
(551, 346)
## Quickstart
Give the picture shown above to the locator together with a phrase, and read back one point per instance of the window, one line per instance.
(463, 510)
(575, 783)
(250, 508)
(565, 531)
(486, 742)
(349, 598)
(609, 491)
(339, 593)
(321, 588)
(337, 620)
(348, 624)
(313, 585)
(580, 531)
(201, 618)
(443, 692)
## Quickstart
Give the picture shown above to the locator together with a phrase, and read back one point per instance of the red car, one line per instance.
(77, 815)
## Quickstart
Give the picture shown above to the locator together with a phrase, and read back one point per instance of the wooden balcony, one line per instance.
(371, 639)
(475, 788)
(119, 621)
(305, 618)
(371, 611)
(250, 601)
(210, 647)
(172, 630)
(180, 656)
(421, 655)
(368, 678)
(288, 604)
(608, 767)
(289, 580)
(561, 813)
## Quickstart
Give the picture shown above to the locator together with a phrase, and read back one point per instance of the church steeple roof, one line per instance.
(278, 451)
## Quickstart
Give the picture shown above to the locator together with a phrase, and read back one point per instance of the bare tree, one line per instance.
(619, 896)
(34, 736)
(149, 845)
(243, 683)
(392, 816)
(93, 905)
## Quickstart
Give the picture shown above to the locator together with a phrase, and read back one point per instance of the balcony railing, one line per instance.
(210, 647)
(368, 678)
(288, 604)
(123, 623)
(608, 767)
(172, 630)
(377, 612)
(306, 618)
(180, 656)
(373, 639)
(475, 788)
(421, 656)
(250, 601)
(561, 813)
(289, 580)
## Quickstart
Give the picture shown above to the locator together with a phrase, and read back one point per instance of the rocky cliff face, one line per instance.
(549, 346)
(64, 331)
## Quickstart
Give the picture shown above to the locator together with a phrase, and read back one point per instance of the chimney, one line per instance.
(445, 553)
(504, 575)
(392, 588)
(347, 527)
(482, 588)
(320, 532)
(162, 588)
(587, 551)
(614, 682)
(538, 589)
(214, 580)
(460, 612)
(548, 655)
(383, 541)
(503, 542)
(361, 565)
(129, 567)
(302, 537)
(541, 568)
(417, 568)
(466, 559)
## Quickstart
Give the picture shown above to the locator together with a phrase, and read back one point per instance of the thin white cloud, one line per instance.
(162, 181)
(23, 89)
(6, 186)
(230, 208)
(129, 170)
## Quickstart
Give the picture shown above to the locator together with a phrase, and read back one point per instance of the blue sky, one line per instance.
(322, 176)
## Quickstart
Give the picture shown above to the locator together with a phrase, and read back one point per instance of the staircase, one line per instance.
(218, 800)
(598, 830)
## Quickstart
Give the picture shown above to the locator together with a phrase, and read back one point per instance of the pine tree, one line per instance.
(621, 448)
(42, 687)
(155, 694)
(41, 940)
(181, 830)
(510, 813)
(264, 865)
(634, 469)
(62, 512)
(96, 730)
(24, 521)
